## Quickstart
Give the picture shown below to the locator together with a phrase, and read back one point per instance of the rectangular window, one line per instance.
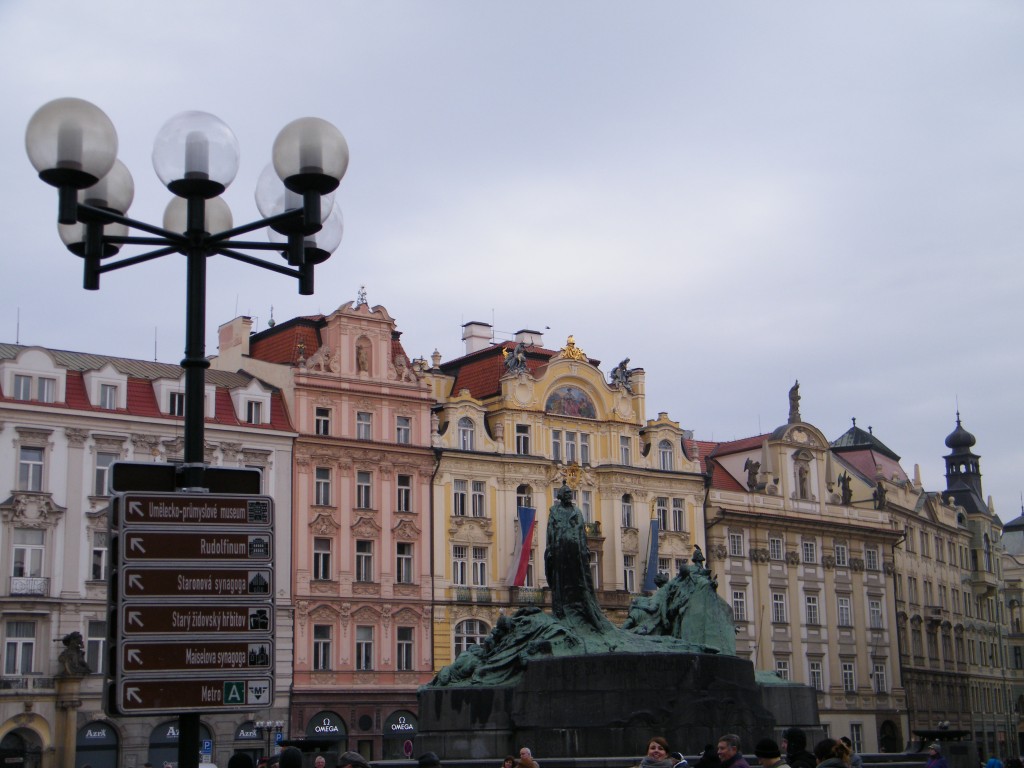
(323, 486)
(778, 608)
(103, 462)
(625, 450)
(849, 677)
(739, 605)
(736, 544)
(108, 396)
(403, 430)
(322, 421)
(845, 612)
(176, 404)
(321, 559)
(403, 649)
(875, 614)
(403, 494)
(842, 556)
(529, 580)
(99, 555)
(22, 387)
(28, 553)
(629, 572)
(912, 589)
(661, 512)
(878, 678)
(478, 499)
(815, 678)
(811, 609)
(809, 551)
(955, 594)
(595, 570)
(364, 426)
(924, 543)
(96, 646)
(584, 448)
(479, 566)
(321, 647)
(364, 499)
(364, 649)
(403, 562)
(940, 551)
(253, 412)
(857, 737)
(782, 668)
(364, 560)
(677, 514)
(460, 559)
(459, 500)
(775, 548)
(871, 559)
(46, 390)
(30, 469)
(664, 564)
(19, 647)
(587, 505)
(556, 444)
(570, 447)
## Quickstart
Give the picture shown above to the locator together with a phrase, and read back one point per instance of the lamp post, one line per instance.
(268, 727)
(73, 146)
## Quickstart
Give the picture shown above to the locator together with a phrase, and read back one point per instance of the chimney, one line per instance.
(477, 336)
(235, 333)
(530, 338)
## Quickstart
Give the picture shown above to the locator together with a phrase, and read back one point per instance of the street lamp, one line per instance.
(267, 727)
(73, 146)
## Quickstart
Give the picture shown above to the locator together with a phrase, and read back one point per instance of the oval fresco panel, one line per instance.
(570, 401)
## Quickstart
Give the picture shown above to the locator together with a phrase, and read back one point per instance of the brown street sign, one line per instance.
(139, 619)
(152, 545)
(149, 656)
(150, 581)
(224, 693)
(191, 509)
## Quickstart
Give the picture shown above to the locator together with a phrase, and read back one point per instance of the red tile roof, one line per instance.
(867, 461)
(480, 371)
(282, 343)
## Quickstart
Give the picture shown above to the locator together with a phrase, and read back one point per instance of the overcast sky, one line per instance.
(733, 195)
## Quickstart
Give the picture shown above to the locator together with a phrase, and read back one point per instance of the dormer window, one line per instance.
(253, 412)
(108, 396)
(45, 388)
(466, 433)
(22, 387)
(176, 403)
(666, 455)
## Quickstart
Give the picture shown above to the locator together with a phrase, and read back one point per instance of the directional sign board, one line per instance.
(195, 602)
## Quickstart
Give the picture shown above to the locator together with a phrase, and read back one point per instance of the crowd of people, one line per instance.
(791, 753)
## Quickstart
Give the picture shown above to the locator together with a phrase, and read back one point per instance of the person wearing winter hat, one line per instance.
(935, 758)
(794, 744)
(291, 757)
(353, 759)
(769, 755)
(429, 760)
(240, 760)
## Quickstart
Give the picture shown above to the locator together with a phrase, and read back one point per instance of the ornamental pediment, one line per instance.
(32, 510)
(473, 530)
(406, 530)
(366, 614)
(324, 524)
(366, 528)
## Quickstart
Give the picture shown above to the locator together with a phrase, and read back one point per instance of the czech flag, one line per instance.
(524, 545)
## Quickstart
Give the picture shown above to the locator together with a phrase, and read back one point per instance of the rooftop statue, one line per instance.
(685, 615)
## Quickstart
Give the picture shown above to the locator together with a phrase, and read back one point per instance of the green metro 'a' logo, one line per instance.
(234, 692)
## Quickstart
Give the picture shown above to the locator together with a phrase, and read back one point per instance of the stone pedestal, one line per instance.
(599, 705)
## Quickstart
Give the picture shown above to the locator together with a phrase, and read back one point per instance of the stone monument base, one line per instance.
(604, 705)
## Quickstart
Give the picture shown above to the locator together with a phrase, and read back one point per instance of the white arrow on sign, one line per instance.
(135, 657)
(132, 693)
(135, 582)
(135, 508)
(137, 545)
(135, 617)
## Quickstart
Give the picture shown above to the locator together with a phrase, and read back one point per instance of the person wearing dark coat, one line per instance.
(729, 752)
(794, 744)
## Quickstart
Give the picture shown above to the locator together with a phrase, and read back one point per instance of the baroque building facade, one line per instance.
(361, 504)
(513, 421)
(65, 418)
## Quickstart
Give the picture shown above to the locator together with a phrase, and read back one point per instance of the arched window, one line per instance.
(524, 496)
(466, 432)
(666, 455)
(627, 511)
(469, 632)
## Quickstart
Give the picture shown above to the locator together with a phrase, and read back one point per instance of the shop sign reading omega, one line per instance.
(195, 602)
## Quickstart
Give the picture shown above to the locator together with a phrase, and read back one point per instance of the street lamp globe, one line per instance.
(310, 155)
(195, 154)
(71, 143)
(114, 192)
(218, 215)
